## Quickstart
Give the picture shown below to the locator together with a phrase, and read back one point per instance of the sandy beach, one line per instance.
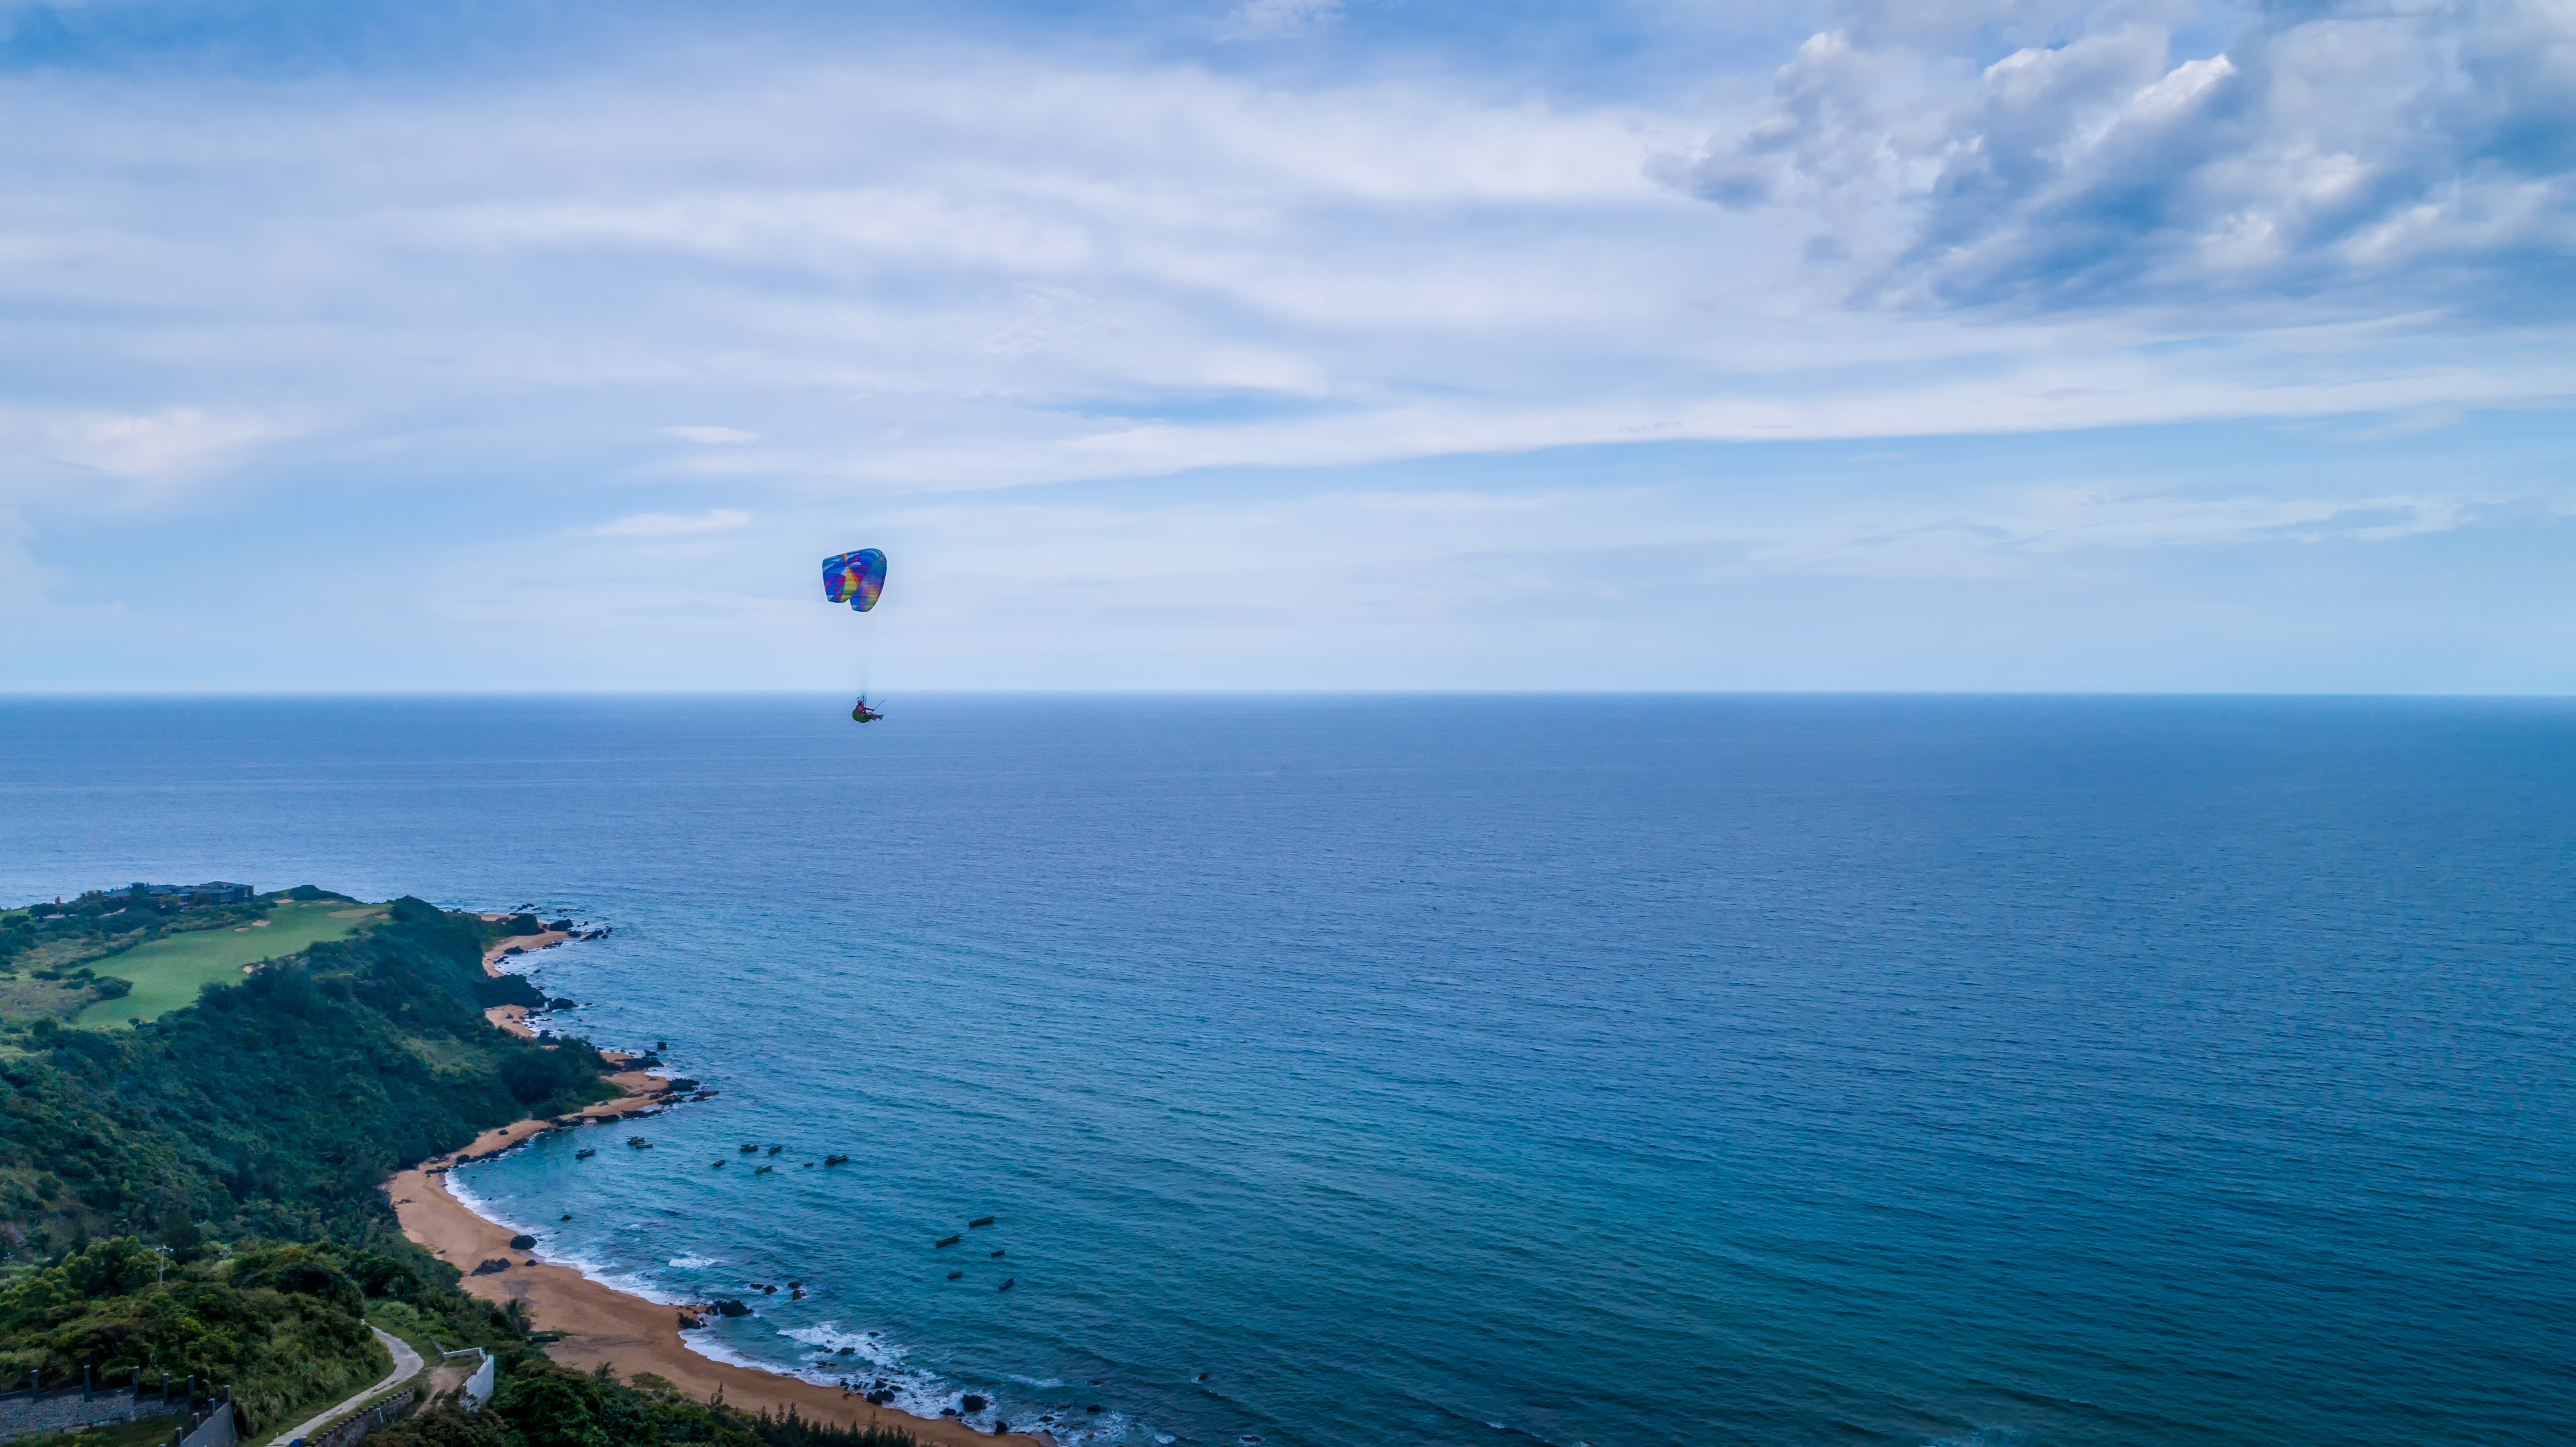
(627, 1332)
(514, 1018)
(520, 945)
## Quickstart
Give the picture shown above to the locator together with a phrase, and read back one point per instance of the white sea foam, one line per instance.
(607, 1274)
(692, 1263)
(483, 1206)
(632, 1283)
(919, 1393)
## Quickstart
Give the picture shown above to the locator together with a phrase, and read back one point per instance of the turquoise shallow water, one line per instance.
(1462, 1071)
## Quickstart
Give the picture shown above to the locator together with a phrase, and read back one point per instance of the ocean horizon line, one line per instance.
(40, 695)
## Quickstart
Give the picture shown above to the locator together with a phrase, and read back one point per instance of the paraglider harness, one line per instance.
(861, 713)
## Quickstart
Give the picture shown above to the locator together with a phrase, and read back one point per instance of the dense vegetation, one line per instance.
(540, 1404)
(275, 1106)
(246, 1136)
(281, 1325)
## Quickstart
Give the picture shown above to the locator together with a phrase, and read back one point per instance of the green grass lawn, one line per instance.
(167, 972)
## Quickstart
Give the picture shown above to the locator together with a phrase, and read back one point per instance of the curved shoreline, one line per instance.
(611, 1327)
(607, 1326)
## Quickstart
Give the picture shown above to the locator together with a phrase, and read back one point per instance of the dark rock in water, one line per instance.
(561, 1002)
(567, 1215)
(564, 925)
(770, 1290)
(981, 1221)
(1000, 1427)
(1094, 1407)
(1007, 1285)
(690, 1322)
(706, 1095)
(997, 1253)
(749, 1149)
(972, 1403)
(947, 1240)
(953, 1275)
(680, 1083)
(848, 1351)
(522, 1243)
(492, 1267)
(881, 1396)
(727, 1306)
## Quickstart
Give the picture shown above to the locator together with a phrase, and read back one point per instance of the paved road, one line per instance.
(406, 1366)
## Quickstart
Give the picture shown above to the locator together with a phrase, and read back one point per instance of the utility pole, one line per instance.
(162, 1265)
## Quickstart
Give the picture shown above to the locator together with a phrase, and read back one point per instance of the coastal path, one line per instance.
(407, 1365)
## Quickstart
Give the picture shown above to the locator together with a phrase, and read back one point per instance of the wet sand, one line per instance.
(514, 1018)
(627, 1332)
(520, 945)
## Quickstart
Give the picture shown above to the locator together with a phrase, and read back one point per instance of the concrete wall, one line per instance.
(215, 1431)
(24, 1413)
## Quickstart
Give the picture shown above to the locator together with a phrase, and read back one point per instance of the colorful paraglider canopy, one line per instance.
(854, 578)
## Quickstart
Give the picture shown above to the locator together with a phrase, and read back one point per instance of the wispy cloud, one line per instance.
(1273, 19)
(105, 459)
(713, 436)
(673, 525)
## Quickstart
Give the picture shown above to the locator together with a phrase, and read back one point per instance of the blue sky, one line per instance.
(1289, 344)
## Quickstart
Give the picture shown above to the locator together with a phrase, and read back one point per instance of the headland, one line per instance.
(308, 1044)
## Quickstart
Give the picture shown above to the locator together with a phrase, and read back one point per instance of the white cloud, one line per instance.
(673, 525)
(2349, 155)
(96, 458)
(713, 436)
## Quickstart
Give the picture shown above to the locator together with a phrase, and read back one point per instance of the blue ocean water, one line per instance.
(2046, 1072)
